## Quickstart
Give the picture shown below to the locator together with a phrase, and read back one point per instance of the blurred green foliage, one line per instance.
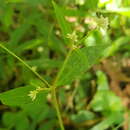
(64, 38)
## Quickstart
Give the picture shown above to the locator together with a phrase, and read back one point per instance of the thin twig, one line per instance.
(54, 86)
(24, 63)
(62, 68)
(56, 105)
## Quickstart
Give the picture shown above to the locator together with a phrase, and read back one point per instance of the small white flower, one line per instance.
(40, 49)
(33, 94)
(103, 22)
(73, 36)
(57, 32)
(67, 87)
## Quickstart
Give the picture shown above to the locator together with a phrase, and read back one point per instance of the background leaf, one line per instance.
(64, 25)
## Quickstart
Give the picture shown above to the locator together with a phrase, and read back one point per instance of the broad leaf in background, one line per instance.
(64, 25)
(30, 44)
(17, 35)
(80, 61)
(102, 81)
(123, 11)
(116, 45)
(105, 100)
(38, 2)
(30, 2)
(48, 125)
(6, 17)
(91, 4)
(112, 119)
(116, 7)
(18, 120)
(42, 111)
(82, 116)
(45, 63)
(108, 103)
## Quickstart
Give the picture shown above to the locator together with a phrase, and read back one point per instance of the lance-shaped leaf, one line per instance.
(19, 96)
(64, 25)
(79, 61)
(122, 11)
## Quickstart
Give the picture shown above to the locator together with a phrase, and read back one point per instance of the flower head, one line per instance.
(33, 94)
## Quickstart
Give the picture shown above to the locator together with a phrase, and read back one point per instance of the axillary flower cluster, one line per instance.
(33, 94)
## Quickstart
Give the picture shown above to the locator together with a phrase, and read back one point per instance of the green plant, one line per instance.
(67, 57)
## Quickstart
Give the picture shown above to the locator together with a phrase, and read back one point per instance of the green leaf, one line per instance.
(48, 125)
(64, 25)
(79, 61)
(18, 96)
(122, 11)
(114, 118)
(91, 4)
(28, 45)
(82, 116)
(18, 120)
(2, 72)
(7, 16)
(55, 43)
(17, 35)
(45, 63)
(40, 111)
(106, 101)
(116, 45)
(36, 2)
(102, 81)
(15, 1)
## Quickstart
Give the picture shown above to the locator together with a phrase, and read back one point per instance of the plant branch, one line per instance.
(55, 102)
(54, 90)
(25, 64)
(63, 66)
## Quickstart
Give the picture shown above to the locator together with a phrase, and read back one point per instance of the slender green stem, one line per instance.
(54, 90)
(63, 66)
(24, 63)
(57, 108)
